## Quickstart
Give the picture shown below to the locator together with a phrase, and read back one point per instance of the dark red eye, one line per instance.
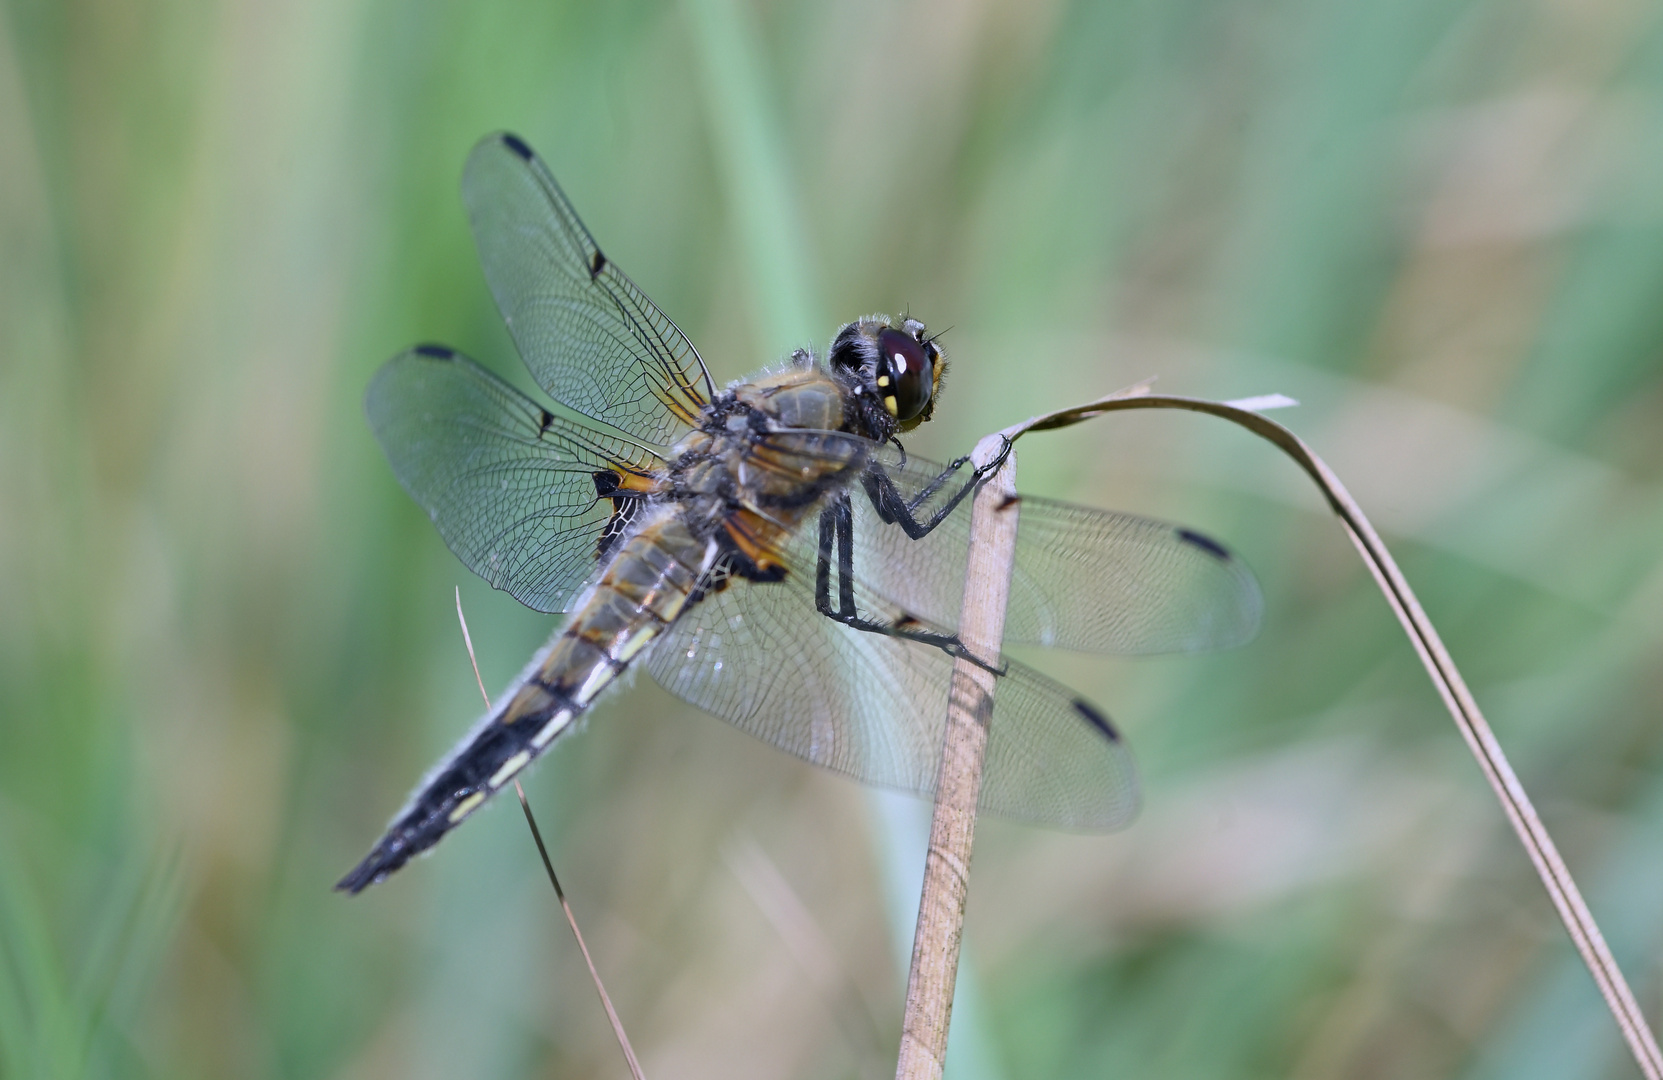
(905, 376)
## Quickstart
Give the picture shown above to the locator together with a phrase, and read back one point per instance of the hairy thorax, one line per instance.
(764, 455)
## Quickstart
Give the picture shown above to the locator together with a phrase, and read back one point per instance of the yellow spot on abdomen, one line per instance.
(510, 767)
(466, 806)
(552, 728)
(598, 679)
(636, 643)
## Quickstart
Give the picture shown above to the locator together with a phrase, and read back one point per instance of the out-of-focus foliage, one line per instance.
(227, 644)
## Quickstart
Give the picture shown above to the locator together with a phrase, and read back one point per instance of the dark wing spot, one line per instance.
(437, 352)
(1096, 719)
(516, 144)
(617, 526)
(905, 622)
(544, 422)
(597, 264)
(1009, 501)
(606, 481)
(1205, 543)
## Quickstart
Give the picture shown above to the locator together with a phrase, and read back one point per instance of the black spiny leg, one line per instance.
(894, 510)
(837, 536)
(837, 540)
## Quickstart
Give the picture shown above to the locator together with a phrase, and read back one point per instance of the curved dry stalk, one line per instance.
(945, 873)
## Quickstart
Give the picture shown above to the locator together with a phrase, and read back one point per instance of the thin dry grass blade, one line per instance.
(1463, 708)
(571, 920)
(560, 894)
(467, 639)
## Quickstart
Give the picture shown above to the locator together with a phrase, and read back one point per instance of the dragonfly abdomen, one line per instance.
(645, 587)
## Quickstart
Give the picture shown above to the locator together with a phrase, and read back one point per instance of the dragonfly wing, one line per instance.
(873, 706)
(511, 486)
(1054, 758)
(1102, 581)
(592, 339)
(1083, 579)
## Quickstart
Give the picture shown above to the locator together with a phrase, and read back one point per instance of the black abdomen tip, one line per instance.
(438, 811)
(387, 857)
(516, 144)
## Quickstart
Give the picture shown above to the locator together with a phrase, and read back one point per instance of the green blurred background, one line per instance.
(228, 644)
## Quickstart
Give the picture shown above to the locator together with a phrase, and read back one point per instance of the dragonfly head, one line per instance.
(895, 368)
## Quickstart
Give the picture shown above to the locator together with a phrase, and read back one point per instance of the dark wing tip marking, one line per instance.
(1008, 502)
(1096, 719)
(596, 265)
(437, 352)
(516, 144)
(1205, 543)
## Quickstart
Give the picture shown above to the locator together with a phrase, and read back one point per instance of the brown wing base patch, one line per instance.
(625, 487)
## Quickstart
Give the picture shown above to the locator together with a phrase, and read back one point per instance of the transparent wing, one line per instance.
(1102, 581)
(510, 485)
(871, 706)
(1084, 579)
(590, 337)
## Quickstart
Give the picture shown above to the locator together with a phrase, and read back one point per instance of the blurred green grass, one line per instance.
(226, 637)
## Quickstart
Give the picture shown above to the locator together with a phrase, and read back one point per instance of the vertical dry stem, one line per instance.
(1458, 699)
(993, 532)
(935, 946)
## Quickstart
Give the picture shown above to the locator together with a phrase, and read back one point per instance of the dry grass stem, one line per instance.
(467, 639)
(1458, 699)
(560, 894)
(571, 920)
(935, 945)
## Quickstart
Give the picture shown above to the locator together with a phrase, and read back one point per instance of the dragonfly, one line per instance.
(769, 551)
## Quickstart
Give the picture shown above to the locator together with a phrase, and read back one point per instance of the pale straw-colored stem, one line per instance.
(935, 946)
(1463, 709)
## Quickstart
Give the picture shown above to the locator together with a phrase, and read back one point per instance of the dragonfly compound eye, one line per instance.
(906, 375)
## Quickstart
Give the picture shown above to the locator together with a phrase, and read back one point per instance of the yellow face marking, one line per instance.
(883, 380)
(510, 767)
(466, 806)
(889, 403)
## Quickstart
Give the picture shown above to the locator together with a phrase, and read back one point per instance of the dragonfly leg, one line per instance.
(894, 509)
(837, 540)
